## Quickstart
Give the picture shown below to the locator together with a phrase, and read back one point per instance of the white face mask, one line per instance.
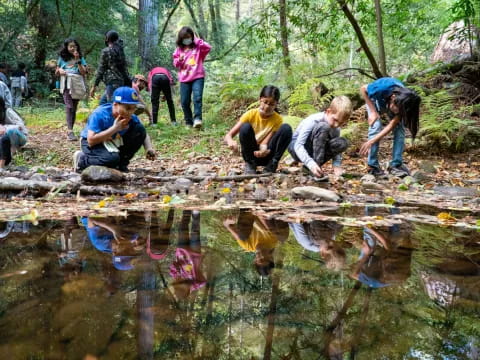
(186, 41)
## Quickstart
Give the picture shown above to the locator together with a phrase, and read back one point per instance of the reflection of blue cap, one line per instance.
(100, 238)
(371, 282)
(125, 95)
(123, 262)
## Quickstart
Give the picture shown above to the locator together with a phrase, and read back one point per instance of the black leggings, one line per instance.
(161, 83)
(5, 151)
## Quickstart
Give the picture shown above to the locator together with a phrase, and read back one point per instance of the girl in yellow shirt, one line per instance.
(263, 137)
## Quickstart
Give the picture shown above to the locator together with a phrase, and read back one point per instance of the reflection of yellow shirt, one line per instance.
(262, 127)
(259, 237)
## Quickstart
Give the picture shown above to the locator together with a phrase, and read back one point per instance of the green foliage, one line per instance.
(444, 126)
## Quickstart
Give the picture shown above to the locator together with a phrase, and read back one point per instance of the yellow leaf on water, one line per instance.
(226, 190)
(447, 217)
(241, 189)
(101, 204)
(130, 196)
(166, 199)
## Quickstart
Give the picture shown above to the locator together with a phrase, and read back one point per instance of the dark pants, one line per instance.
(188, 238)
(107, 96)
(186, 90)
(161, 83)
(5, 149)
(333, 147)
(70, 109)
(98, 155)
(277, 144)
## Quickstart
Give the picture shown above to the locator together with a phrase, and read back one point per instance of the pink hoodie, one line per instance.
(155, 71)
(189, 62)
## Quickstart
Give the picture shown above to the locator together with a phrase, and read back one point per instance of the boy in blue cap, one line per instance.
(113, 134)
(389, 95)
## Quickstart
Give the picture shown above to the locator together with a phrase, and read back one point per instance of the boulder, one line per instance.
(430, 167)
(456, 191)
(102, 174)
(183, 184)
(421, 177)
(314, 193)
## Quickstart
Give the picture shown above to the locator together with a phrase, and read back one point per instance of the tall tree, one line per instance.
(284, 32)
(381, 45)
(213, 21)
(201, 20)
(147, 32)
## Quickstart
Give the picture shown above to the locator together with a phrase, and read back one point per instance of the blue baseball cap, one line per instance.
(125, 95)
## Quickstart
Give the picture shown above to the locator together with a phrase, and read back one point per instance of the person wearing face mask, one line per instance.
(188, 58)
(113, 134)
(263, 137)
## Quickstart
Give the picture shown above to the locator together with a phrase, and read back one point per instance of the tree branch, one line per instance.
(60, 20)
(235, 44)
(170, 14)
(361, 71)
(361, 38)
(129, 5)
(192, 14)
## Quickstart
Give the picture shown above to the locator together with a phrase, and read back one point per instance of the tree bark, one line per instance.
(203, 31)
(284, 32)
(381, 45)
(213, 22)
(218, 21)
(237, 11)
(361, 38)
(192, 14)
(147, 32)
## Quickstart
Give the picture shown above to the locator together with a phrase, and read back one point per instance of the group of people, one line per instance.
(16, 81)
(114, 133)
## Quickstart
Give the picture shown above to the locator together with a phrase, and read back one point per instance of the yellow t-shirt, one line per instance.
(260, 236)
(262, 127)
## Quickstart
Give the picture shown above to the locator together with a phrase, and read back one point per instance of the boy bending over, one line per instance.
(317, 138)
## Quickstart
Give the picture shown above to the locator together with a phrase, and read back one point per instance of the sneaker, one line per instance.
(250, 169)
(271, 167)
(76, 160)
(71, 136)
(398, 171)
(197, 123)
(375, 171)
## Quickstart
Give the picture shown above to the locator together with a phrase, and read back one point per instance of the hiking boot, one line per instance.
(71, 136)
(123, 168)
(77, 156)
(250, 169)
(271, 167)
(197, 123)
(375, 171)
(398, 171)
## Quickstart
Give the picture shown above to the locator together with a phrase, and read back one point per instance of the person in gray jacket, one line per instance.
(317, 138)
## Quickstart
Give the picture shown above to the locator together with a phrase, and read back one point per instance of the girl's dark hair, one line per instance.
(184, 31)
(111, 36)
(408, 103)
(2, 111)
(65, 54)
(273, 92)
(270, 91)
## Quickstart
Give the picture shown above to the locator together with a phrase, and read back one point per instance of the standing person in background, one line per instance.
(139, 83)
(3, 74)
(70, 61)
(160, 80)
(18, 84)
(112, 68)
(188, 58)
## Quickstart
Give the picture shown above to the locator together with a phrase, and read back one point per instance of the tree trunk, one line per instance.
(165, 24)
(147, 32)
(42, 19)
(192, 14)
(218, 20)
(201, 19)
(361, 38)
(284, 32)
(213, 22)
(237, 11)
(381, 45)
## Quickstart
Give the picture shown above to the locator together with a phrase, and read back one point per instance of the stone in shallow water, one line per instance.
(456, 191)
(314, 193)
(102, 174)
(183, 184)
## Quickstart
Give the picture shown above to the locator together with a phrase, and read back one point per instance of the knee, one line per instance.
(286, 130)
(338, 145)
(245, 129)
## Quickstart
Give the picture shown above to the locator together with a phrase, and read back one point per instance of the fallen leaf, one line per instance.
(389, 200)
(446, 217)
(130, 196)
(226, 190)
(166, 199)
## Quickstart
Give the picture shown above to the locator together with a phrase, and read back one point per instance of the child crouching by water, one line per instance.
(263, 137)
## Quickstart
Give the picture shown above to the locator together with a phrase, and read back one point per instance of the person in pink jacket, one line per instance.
(188, 58)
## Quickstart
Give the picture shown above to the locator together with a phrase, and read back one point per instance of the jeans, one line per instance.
(161, 83)
(99, 155)
(107, 96)
(70, 108)
(397, 149)
(277, 144)
(186, 90)
(16, 97)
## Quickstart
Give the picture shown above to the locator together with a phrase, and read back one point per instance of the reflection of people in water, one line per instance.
(186, 269)
(387, 264)
(259, 235)
(72, 240)
(108, 236)
(319, 237)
